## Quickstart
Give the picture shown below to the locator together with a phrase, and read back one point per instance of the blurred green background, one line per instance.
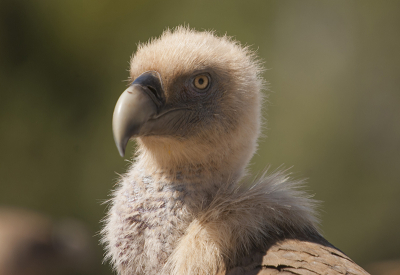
(334, 110)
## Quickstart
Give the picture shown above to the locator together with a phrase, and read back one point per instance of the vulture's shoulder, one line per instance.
(293, 256)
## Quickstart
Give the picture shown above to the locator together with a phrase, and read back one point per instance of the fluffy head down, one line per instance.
(220, 127)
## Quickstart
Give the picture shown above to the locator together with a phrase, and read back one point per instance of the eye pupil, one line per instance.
(201, 81)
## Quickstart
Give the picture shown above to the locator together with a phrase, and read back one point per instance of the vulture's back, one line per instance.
(293, 256)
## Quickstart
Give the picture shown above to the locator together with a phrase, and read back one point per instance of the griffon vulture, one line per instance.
(184, 206)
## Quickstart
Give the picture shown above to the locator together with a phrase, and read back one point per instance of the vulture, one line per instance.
(186, 205)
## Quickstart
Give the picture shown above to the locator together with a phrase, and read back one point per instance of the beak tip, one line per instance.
(121, 146)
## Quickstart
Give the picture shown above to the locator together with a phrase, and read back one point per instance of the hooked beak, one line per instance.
(136, 105)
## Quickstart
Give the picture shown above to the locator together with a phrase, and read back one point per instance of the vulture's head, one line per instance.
(194, 100)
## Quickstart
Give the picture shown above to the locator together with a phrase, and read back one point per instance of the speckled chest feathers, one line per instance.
(149, 215)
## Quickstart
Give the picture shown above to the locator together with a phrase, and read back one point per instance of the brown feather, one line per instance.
(293, 256)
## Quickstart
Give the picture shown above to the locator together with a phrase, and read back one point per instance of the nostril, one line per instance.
(156, 95)
(151, 83)
(154, 91)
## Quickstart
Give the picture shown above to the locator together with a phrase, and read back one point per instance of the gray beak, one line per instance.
(136, 105)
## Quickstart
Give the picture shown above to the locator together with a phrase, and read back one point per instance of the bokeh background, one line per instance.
(333, 113)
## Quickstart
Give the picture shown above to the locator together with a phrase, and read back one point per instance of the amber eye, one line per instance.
(201, 81)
